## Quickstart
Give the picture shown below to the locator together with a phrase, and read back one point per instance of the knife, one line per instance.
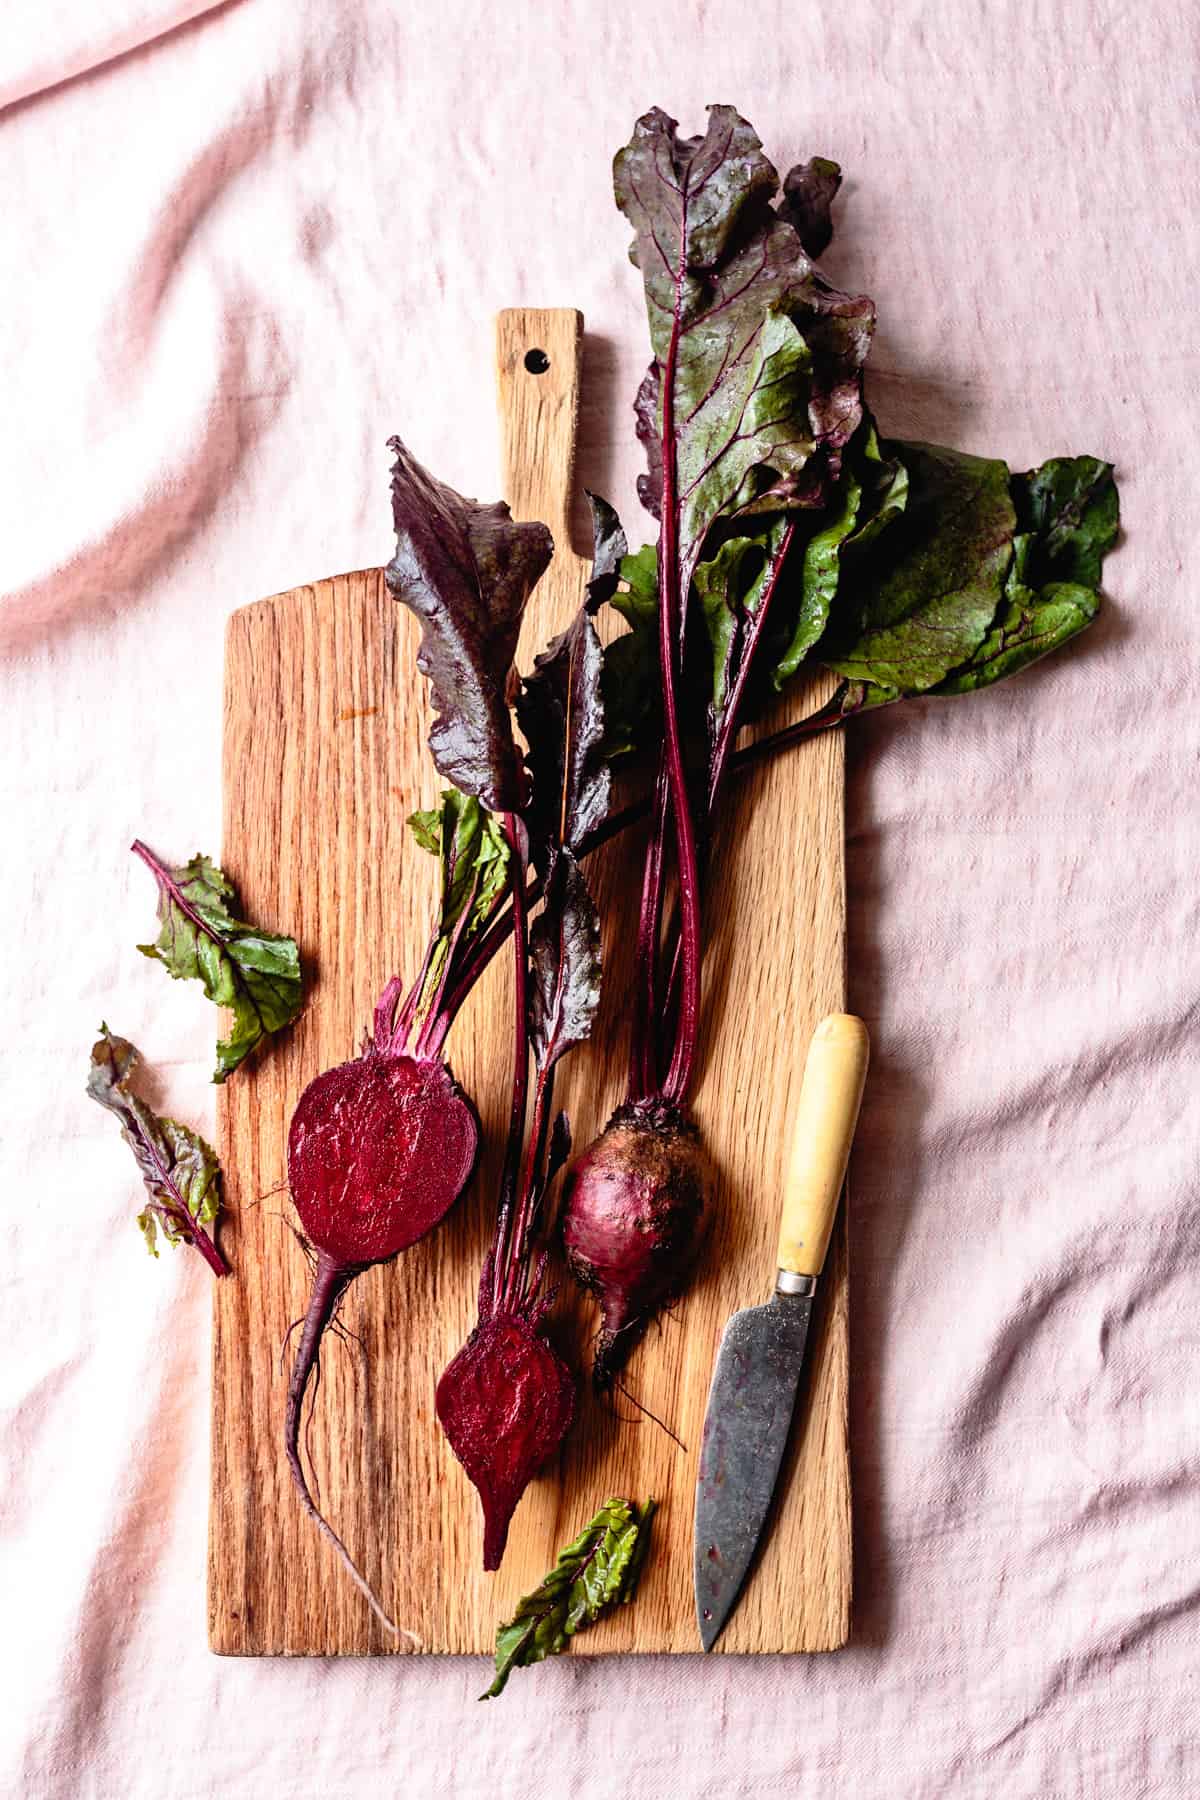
(761, 1355)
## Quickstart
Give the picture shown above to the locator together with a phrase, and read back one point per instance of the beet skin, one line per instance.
(505, 1403)
(635, 1211)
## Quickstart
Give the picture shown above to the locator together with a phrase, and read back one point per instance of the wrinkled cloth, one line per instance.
(245, 243)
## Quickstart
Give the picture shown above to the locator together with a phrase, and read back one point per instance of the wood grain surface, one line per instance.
(324, 758)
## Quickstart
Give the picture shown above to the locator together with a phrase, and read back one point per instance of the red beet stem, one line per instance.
(729, 728)
(329, 1284)
(207, 1248)
(643, 1067)
(672, 631)
(507, 1245)
(828, 718)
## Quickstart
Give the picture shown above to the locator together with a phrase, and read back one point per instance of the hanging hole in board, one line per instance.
(537, 362)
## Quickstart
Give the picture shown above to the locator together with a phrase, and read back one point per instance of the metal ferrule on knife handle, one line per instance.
(826, 1115)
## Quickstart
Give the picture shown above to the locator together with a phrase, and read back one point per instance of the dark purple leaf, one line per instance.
(608, 547)
(564, 958)
(560, 710)
(808, 194)
(466, 571)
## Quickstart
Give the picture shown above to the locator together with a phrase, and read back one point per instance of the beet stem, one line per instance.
(643, 1069)
(190, 1229)
(673, 609)
(517, 1288)
(729, 725)
(207, 1248)
(828, 718)
(719, 761)
(329, 1284)
(502, 1271)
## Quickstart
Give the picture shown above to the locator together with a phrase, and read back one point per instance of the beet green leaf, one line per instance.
(600, 1569)
(255, 973)
(180, 1170)
(466, 571)
(763, 358)
(918, 601)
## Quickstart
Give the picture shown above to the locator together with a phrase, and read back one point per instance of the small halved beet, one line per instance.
(505, 1403)
(635, 1211)
(378, 1152)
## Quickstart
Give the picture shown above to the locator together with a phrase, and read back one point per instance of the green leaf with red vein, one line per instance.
(765, 357)
(255, 973)
(919, 600)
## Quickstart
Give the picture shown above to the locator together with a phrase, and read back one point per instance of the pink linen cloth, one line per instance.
(242, 245)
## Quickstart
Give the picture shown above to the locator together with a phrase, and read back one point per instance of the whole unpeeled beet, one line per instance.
(635, 1211)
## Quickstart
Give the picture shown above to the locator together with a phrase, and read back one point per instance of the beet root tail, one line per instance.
(619, 1338)
(329, 1284)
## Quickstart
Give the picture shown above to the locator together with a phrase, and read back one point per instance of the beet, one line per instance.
(635, 1213)
(378, 1152)
(505, 1403)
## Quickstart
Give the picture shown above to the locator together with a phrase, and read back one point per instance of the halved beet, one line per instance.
(378, 1152)
(505, 1403)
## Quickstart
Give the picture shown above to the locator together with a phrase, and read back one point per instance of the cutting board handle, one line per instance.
(537, 379)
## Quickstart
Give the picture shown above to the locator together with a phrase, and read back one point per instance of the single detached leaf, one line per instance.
(809, 191)
(255, 973)
(466, 571)
(765, 359)
(180, 1171)
(560, 709)
(917, 603)
(564, 960)
(600, 1569)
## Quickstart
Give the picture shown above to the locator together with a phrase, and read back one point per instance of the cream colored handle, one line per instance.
(538, 355)
(830, 1095)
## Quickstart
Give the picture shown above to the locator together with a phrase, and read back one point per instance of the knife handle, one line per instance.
(826, 1115)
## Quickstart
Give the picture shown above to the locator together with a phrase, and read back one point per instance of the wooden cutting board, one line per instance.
(324, 758)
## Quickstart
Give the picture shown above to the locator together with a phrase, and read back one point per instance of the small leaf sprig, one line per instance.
(599, 1570)
(255, 973)
(180, 1169)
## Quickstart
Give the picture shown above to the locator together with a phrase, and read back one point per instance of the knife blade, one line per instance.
(761, 1355)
